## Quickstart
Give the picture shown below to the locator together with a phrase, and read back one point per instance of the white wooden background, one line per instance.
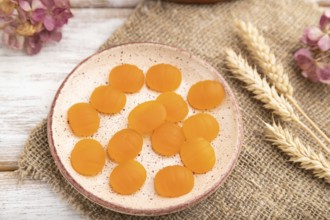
(27, 87)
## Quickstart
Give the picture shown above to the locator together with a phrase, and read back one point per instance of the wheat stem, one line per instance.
(308, 130)
(298, 152)
(269, 65)
(296, 105)
(264, 92)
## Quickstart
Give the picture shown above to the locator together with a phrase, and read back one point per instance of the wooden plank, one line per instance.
(31, 200)
(28, 84)
(104, 3)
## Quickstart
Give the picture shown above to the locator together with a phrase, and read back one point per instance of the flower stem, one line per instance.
(301, 111)
(308, 130)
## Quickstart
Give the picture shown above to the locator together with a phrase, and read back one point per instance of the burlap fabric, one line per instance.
(264, 184)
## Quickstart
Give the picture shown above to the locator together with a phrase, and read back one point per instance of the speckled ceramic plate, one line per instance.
(93, 72)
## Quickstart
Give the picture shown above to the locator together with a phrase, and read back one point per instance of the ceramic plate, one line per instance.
(93, 72)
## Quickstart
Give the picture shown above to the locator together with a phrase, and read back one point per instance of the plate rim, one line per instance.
(130, 211)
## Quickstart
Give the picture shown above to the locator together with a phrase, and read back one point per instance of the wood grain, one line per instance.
(28, 84)
(31, 200)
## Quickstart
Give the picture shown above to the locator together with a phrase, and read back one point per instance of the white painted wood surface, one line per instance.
(27, 87)
(31, 200)
(28, 84)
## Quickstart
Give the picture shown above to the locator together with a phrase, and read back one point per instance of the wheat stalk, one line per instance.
(259, 86)
(273, 69)
(298, 152)
(264, 92)
(261, 53)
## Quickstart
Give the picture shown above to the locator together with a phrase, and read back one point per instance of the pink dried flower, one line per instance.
(323, 73)
(312, 69)
(319, 36)
(47, 36)
(306, 63)
(35, 22)
(11, 39)
(6, 8)
(33, 44)
(54, 15)
(314, 60)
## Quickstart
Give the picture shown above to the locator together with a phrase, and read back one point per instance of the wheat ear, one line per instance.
(273, 69)
(261, 53)
(264, 92)
(298, 152)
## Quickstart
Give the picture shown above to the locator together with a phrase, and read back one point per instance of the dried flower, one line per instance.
(53, 14)
(35, 22)
(318, 36)
(307, 64)
(6, 7)
(27, 29)
(312, 69)
(33, 44)
(314, 59)
(11, 39)
(323, 73)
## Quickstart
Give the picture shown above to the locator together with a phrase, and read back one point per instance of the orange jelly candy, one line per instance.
(198, 155)
(147, 116)
(206, 94)
(201, 125)
(88, 157)
(125, 145)
(126, 78)
(127, 177)
(108, 100)
(163, 77)
(83, 119)
(176, 107)
(173, 181)
(167, 139)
